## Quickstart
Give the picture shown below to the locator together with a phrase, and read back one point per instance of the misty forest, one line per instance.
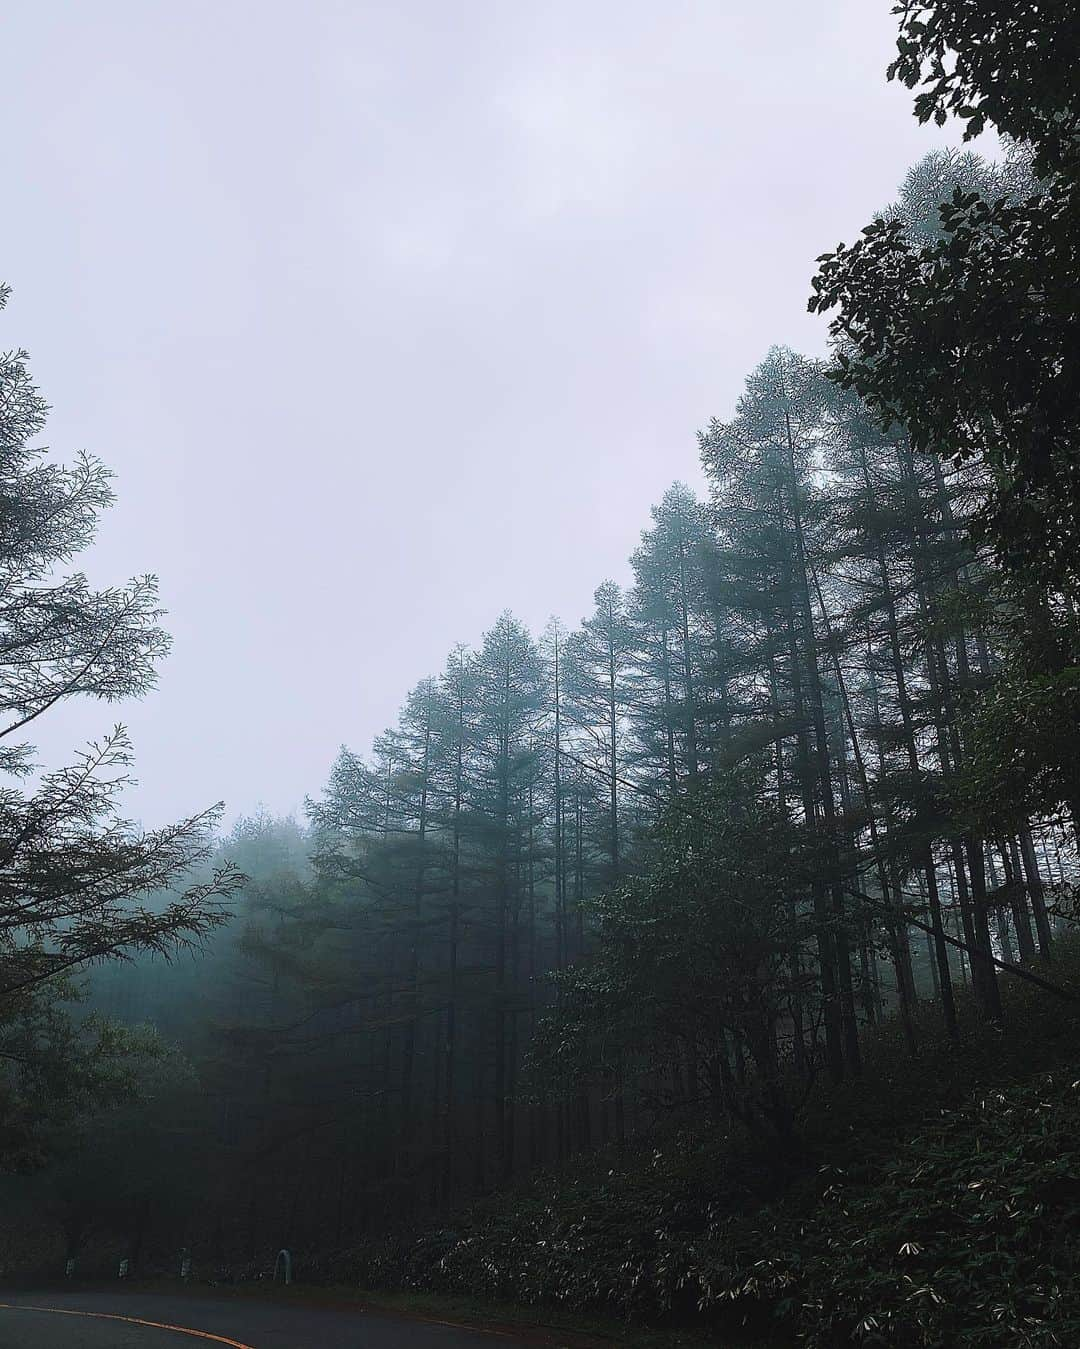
(703, 970)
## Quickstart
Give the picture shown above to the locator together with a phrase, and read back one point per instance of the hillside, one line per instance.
(932, 1203)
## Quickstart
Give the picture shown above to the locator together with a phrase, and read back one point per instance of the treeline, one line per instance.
(675, 858)
(797, 796)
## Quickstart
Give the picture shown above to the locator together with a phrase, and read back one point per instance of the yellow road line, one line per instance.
(132, 1320)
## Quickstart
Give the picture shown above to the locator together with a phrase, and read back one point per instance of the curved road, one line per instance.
(159, 1321)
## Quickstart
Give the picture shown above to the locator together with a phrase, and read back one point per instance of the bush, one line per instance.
(967, 1237)
(932, 1203)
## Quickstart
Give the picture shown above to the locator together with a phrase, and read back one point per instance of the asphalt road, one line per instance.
(124, 1320)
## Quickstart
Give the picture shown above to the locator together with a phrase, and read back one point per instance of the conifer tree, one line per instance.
(78, 883)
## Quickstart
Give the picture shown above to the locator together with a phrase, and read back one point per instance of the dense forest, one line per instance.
(588, 979)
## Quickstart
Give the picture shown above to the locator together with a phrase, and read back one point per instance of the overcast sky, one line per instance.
(391, 315)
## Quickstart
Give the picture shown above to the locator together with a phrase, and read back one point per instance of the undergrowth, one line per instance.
(931, 1202)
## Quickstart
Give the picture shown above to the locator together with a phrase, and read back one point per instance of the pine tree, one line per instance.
(78, 884)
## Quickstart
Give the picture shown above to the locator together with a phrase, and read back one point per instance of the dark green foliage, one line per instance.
(972, 340)
(695, 952)
(971, 343)
(58, 1067)
(136, 1165)
(968, 336)
(1023, 740)
(966, 1236)
(916, 1179)
(1009, 63)
(618, 1234)
(669, 946)
(78, 883)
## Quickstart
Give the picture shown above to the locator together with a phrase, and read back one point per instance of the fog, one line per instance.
(391, 316)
